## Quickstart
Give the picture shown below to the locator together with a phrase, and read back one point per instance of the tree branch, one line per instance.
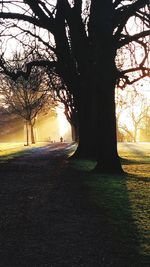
(28, 67)
(18, 16)
(116, 3)
(124, 80)
(130, 38)
(122, 14)
(36, 36)
(139, 68)
(49, 25)
(48, 22)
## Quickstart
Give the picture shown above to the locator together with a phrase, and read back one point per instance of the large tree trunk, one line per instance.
(97, 121)
(74, 133)
(86, 119)
(97, 129)
(108, 160)
(104, 73)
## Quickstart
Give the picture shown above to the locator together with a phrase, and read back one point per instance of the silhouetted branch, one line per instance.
(130, 38)
(122, 14)
(14, 74)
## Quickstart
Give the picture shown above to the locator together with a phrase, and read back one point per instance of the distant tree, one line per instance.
(135, 107)
(85, 38)
(10, 126)
(26, 98)
(145, 127)
(122, 103)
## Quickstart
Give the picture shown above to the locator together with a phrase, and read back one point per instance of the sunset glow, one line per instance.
(63, 124)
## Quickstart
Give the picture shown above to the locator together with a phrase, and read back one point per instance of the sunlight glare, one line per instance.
(63, 124)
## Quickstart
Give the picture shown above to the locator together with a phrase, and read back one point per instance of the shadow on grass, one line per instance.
(112, 196)
(126, 161)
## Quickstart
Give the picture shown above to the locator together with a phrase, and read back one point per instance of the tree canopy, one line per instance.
(75, 23)
(93, 45)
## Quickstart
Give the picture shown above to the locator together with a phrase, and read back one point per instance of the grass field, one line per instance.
(124, 200)
(136, 163)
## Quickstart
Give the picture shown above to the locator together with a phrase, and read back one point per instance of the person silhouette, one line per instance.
(61, 139)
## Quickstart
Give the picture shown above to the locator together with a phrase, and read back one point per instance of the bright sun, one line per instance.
(64, 125)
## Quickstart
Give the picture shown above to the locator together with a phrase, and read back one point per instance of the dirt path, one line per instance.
(45, 218)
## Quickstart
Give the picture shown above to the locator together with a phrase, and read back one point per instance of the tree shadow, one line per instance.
(126, 161)
(110, 196)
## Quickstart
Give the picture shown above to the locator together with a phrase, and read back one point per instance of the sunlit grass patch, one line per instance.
(124, 200)
(138, 186)
(11, 150)
(139, 197)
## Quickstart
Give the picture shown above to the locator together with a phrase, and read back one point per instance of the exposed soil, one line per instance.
(46, 218)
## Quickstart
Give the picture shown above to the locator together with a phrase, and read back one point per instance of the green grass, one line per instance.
(11, 150)
(124, 200)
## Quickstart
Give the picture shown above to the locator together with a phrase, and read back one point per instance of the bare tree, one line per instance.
(26, 98)
(135, 108)
(84, 38)
(144, 131)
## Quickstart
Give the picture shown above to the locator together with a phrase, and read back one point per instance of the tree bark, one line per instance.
(97, 119)
(97, 129)
(32, 133)
(87, 123)
(108, 160)
(74, 133)
(27, 134)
